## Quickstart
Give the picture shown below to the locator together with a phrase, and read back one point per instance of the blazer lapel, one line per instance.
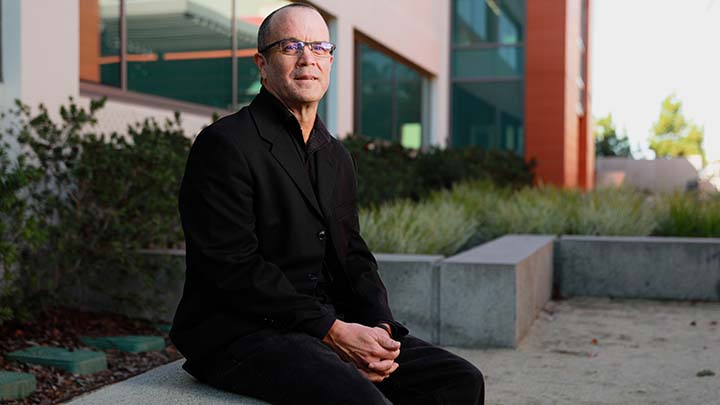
(326, 177)
(283, 151)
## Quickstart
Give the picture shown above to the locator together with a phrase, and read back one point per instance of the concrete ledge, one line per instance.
(639, 267)
(412, 284)
(165, 385)
(490, 295)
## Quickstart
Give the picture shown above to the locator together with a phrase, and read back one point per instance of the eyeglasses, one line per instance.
(294, 47)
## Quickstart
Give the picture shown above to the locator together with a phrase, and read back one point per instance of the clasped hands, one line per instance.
(371, 350)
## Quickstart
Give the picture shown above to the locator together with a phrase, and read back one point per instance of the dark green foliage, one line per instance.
(97, 199)
(20, 231)
(607, 140)
(387, 171)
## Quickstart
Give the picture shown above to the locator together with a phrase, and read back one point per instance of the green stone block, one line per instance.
(77, 361)
(130, 344)
(15, 385)
(163, 327)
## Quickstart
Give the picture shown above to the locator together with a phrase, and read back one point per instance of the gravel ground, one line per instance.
(603, 351)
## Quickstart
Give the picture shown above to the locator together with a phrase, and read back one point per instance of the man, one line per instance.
(282, 299)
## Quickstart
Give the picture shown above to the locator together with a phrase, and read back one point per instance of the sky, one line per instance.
(644, 50)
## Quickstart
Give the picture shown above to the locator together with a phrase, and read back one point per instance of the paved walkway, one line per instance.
(581, 351)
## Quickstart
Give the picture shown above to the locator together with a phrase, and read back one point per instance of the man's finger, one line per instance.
(372, 376)
(389, 344)
(381, 366)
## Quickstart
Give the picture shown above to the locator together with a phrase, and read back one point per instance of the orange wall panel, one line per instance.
(556, 135)
(89, 41)
(544, 95)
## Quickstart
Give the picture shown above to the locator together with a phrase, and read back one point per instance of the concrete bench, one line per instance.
(490, 295)
(165, 385)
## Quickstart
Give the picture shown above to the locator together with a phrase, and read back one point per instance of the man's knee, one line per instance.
(475, 383)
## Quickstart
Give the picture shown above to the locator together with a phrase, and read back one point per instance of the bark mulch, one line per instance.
(62, 327)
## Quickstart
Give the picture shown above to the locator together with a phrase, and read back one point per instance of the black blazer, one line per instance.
(255, 235)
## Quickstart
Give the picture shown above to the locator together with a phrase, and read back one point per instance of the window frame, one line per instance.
(362, 39)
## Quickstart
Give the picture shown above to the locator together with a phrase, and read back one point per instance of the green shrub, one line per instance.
(20, 231)
(98, 198)
(387, 171)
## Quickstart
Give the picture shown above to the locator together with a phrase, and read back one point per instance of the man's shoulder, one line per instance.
(340, 149)
(233, 129)
(231, 123)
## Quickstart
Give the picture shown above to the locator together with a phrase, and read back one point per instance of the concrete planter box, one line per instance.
(490, 295)
(639, 267)
(413, 285)
(486, 297)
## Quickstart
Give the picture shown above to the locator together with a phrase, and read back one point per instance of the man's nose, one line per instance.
(306, 57)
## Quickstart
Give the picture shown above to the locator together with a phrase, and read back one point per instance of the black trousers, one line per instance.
(295, 368)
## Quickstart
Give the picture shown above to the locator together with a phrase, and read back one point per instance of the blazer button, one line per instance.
(321, 235)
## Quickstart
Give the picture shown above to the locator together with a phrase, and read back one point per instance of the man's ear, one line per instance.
(260, 62)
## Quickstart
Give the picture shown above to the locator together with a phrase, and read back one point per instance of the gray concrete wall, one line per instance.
(413, 293)
(490, 295)
(660, 175)
(639, 267)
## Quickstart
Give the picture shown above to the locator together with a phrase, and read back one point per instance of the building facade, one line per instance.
(504, 74)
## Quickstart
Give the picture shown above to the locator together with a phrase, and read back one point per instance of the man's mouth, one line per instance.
(306, 77)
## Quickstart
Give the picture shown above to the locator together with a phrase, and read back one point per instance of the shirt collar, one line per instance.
(319, 136)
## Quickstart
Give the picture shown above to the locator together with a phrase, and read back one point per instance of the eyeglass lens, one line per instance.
(296, 47)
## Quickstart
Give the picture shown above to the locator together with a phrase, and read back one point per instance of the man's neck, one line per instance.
(305, 115)
(306, 118)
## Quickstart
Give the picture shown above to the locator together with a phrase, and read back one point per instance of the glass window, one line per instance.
(0, 41)
(181, 50)
(389, 98)
(488, 21)
(489, 114)
(488, 62)
(100, 42)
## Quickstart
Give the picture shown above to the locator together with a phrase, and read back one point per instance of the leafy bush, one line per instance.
(387, 171)
(20, 231)
(98, 198)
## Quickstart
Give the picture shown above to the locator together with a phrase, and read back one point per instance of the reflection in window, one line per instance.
(488, 114)
(100, 41)
(179, 49)
(389, 92)
(488, 62)
(488, 21)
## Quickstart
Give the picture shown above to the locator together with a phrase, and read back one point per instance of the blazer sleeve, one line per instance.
(372, 306)
(216, 209)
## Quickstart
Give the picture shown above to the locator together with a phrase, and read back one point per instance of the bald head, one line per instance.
(267, 32)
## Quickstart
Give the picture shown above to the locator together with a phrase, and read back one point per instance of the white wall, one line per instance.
(115, 117)
(48, 51)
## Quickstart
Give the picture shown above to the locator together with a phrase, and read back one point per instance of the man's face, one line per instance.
(302, 79)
